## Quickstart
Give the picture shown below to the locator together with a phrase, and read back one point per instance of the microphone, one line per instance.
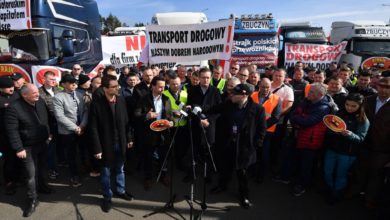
(198, 112)
(181, 106)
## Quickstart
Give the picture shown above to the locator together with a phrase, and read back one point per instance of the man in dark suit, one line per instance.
(244, 125)
(150, 108)
(143, 87)
(27, 125)
(205, 96)
(375, 153)
(111, 136)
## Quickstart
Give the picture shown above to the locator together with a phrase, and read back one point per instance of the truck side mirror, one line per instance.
(66, 42)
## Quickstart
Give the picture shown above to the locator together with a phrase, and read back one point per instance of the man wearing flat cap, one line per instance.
(18, 80)
(71, 114)
(243, 122)
(10, 172)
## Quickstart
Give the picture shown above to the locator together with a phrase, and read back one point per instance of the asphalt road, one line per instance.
(271, 201)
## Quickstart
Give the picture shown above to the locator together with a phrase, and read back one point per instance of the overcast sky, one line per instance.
(320, 13)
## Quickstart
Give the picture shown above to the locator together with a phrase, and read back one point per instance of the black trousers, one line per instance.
(149, 156)
(35, 165)
(226, 169)
(12, 166)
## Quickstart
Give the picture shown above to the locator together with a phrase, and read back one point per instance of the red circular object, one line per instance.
(334, 123)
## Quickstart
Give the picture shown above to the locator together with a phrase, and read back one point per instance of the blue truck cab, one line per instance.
(62, 34)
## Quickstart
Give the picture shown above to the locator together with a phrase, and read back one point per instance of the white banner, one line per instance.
(315, 55)
(15, 15)
(122, 50)
(194, 42)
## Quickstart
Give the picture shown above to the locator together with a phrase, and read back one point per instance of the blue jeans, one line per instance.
(336, 168)
(120, 175)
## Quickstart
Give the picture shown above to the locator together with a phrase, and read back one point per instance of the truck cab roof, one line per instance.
(177, 18)
(341, 24)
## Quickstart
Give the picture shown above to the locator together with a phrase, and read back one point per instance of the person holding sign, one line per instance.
(342, 146)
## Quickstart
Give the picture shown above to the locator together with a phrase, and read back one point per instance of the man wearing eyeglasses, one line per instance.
(234, 68)
(243, 76)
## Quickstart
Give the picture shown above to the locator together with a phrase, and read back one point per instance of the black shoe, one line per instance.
(245, 203)
(45, 190)
(106, 205)
(126, 196)
(30, 208)
(217, 190)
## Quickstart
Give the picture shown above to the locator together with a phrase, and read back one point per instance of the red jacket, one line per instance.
(308, 119)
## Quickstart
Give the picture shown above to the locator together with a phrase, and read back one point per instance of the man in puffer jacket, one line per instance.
(307, 118)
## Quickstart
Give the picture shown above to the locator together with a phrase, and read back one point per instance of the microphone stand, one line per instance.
(190, 199)
(203, 205)
(169, 206)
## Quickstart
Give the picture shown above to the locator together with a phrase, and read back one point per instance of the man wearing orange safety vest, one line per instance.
(273, 107)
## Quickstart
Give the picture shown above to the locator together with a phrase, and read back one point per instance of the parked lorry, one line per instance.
(368, 43)
(300, 33)
(58, 33)
(255, 40)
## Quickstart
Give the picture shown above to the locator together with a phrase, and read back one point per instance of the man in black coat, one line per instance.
(10, 168)
(27, 125)
(205, 96)
(244, 125)
(111, 136)
(150, 108)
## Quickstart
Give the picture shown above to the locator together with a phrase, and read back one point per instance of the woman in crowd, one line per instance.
(342, 147)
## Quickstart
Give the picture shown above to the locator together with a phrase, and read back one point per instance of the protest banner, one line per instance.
(194, 42)
(314, 55)
(15, 15)
(255, 49)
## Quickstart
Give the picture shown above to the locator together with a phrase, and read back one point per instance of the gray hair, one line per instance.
(235, 80)
(319, 88)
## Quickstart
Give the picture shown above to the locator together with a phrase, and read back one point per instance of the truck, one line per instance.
(58, 33)
(178, 18)
(368, 43)
(299, 33)
(255, 40)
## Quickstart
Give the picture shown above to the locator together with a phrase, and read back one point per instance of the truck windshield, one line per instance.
(22, 46)
(371, 46)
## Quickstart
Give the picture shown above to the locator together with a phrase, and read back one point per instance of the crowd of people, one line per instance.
(258, 125)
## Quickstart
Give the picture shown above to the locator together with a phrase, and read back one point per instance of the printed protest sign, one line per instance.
(123, 50)
(255, 49)
(15, 15)
(315, 55)
(195, 42)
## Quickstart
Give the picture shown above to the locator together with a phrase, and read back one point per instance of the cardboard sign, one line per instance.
(15, 15)
(195, 42)
(382, 63)
(315, 55)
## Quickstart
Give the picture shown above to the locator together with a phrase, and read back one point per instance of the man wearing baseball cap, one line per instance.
(243, 122)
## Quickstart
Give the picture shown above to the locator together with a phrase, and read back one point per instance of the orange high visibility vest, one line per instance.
(269, 105)
(307, 89)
